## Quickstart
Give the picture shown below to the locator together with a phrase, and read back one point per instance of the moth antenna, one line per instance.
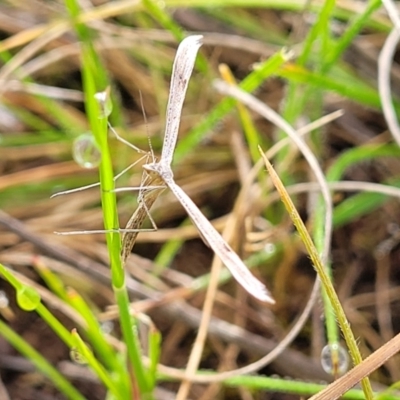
(146, 122)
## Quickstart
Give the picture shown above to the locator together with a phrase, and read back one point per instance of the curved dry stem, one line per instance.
(269, 114)
(384, 67)
(264, 361)
(393, 12)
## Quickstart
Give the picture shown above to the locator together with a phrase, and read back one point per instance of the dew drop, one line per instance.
(28, 298)
(161, 4)
(77, 357)
(270, 248)
(107, 327)
(85, 151)
(334, 359)
(104, 100)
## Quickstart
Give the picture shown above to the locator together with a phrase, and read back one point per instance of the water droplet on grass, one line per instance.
(28, 298)
(334, 359)
(104, 100)
(85, 151)
(77, 357)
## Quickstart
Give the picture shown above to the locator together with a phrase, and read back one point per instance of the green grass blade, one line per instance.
(349, 87)
(318, 32)
(40, 363)
(95, 80)
(357, 206)
(359, 154)
(100, 371)
(345, 40)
